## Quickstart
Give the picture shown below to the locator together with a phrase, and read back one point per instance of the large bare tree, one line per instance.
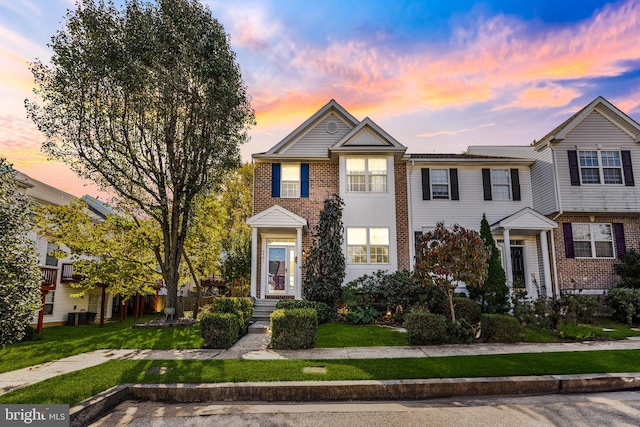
(149, 103)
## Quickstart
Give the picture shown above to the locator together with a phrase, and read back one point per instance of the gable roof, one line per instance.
(330, 107)
(276, 216)
(525, 219)
(604, 107)
(368, 137)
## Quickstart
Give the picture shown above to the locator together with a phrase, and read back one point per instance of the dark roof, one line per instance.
(454, 156)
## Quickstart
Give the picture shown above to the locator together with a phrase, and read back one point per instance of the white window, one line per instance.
(367, 245)
(290, 183)
(367, 174)
(500, 184)
(600, 167)
(48, 303)
(440, 183)
(592, 240)
(50, 259)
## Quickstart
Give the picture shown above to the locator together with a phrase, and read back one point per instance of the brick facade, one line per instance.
(591, 274)
(402, 217)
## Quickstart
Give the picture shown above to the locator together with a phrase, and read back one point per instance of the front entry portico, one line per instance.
(276, 254)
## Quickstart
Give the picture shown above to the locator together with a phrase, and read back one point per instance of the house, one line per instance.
(461, 188)
(562, 210)
(330, 153)
(57, 274)
(583, 178)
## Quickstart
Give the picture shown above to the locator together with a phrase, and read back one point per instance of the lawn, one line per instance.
(77, 386)
(338, 335)
(63, 341)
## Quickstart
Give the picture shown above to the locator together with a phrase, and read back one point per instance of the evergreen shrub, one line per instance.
(294, 328)
(426, 328)
(219, 330)
(323, 310)
(501, 328)
(624, 304)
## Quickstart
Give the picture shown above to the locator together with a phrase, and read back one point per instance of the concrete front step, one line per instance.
(262, 309)
(260, 327)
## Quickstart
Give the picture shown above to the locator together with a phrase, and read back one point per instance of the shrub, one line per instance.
(572, 331)
(460, 331)
(242, 307)
(30, 334)
(501, 328)
(426, 328)
(466, 309)
(362, 315)
(219, 330)
(294, 328)
(624, 304)
(323, 310)
(629, 269)
(576, 308)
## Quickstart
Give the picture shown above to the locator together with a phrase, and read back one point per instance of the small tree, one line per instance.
(447, 256)
(19, 272)
(493, 294)
(629, 269)
(325, 265)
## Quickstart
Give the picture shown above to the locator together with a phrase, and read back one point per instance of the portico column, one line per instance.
(546, 270)
(298, 276)
(507, 256)
(254, 262)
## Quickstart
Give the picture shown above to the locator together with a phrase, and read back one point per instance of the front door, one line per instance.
(517, 266)
(281, 270)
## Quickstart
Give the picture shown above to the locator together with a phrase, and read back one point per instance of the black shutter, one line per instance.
(574, 173)
(486, 183)
(275, 180)
(621, 246)
(304, 180)
(627, 169)
(453, 180)
(515, 185)
(426, 186)
(568, 240)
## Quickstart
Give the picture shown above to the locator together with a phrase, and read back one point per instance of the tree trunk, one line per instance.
(197, 283)
(102, 304)
(453, 313)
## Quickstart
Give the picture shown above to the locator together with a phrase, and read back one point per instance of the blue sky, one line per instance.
(438, 76)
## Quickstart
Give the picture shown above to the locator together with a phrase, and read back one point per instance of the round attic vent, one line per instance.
(332, 127)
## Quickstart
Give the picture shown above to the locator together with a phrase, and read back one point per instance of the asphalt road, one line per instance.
(598, 409)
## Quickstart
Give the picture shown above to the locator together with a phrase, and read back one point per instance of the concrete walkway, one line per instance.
(254, 346)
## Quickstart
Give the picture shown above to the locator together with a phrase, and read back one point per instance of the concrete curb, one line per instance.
(309, 391)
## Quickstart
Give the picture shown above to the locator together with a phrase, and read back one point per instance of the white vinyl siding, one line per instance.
(597, 133)
(316, 142)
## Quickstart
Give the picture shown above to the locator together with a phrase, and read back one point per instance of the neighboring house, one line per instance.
(57, 274)
(460, 188)
(562, 211)
(330, 153)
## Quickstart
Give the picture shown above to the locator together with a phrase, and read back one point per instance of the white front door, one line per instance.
(280, 270)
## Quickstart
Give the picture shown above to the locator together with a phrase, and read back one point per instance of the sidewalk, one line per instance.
(254, 346)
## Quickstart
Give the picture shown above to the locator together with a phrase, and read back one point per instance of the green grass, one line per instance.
(63, 341)
(539, 335)
(77, 386)
(339, 335)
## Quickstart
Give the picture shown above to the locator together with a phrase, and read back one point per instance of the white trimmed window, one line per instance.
(50, 259)
(290, 183)
(367, 174)
(48, 303)
(367, 245)
(591, 240)
(440, 183)
(600, 167)
(500, 184)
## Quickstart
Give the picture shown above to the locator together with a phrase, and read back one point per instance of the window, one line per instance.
(500, 184)
(367, 245)
(51, 260)
(592, 240)
(440, 183)
(367, 174)
(290, 183)
(48, 303)
(600, 167)
(290, 180)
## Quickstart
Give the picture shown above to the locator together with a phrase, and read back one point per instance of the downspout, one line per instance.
(556, 286)
(412, 243)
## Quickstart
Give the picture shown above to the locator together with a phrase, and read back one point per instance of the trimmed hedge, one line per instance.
(294, 328)
(426, 328)
(242, 307)
(219, 330)
(501, 328)
(466, 309)
(323, 310)
(624, 304)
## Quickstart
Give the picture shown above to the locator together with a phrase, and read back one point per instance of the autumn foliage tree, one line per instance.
(447, 256)
(149, 103)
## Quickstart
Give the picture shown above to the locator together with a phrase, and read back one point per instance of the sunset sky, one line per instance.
(436, 75)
